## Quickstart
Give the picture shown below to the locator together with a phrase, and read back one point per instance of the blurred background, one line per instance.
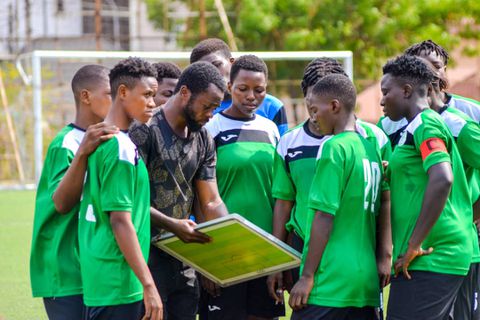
(373, 30)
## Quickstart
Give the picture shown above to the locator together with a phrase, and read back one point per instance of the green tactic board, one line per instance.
(239, 251)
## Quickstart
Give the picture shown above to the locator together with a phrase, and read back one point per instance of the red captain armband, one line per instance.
(432, 145)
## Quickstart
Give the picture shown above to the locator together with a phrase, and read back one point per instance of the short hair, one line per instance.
(248, 62)
(337, 86)
(209, 46)
(319, 68)
(128, 72)
(167, 70)
(409, 68)
(198, 76)
(88, 77)
(428, 46)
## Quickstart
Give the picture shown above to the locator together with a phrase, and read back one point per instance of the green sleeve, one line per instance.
(117, 184)
(283, 187)
(59, 160)
(386, 151)
(429, 130)
(468, 143)
(328, 181)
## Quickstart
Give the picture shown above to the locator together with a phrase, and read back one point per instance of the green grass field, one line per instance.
(16, 218)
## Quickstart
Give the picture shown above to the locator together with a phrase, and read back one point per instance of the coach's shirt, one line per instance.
(174, 164)
(117, 180)
(346, 185)
(295, 162)
(418, 149)
(54, 264)
(245, 151)
(466, 133)
(271, 108)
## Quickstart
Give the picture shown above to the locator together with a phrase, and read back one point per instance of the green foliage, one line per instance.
(374, 30)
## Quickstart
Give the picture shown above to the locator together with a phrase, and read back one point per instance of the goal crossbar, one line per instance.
(35, 79)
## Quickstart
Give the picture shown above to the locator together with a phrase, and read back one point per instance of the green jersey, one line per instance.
(117, 180)
(245, 152)
(346, 185)
(427, 141)
(296, 156)
(467, 136)
(54, 264)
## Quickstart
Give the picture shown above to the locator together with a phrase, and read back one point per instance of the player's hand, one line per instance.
(404, 260)
(96, 134)
(211, 287)
(185, 230)
(153, 303)
(384, 269)
(275, 287)
(300, 292)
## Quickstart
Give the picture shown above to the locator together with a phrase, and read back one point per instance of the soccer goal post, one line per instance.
(35, 60)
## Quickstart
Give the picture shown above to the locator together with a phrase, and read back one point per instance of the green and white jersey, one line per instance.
(375, 135)
(468, 106)
(427, 141)
(117, 180)
(54, 263)
(346, 185)
(293, 170)
(295, 163)
(245, 152)
(467, 136)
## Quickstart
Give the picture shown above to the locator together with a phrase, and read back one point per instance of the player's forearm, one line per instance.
(281, 215)
(127, 241)
(161, 220)
(69, 190)
(476, 210)
(214, 209)
(384, 240)
(319, 235)
(440, 179)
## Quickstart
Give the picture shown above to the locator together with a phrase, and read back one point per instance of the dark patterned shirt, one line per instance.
(173, 163)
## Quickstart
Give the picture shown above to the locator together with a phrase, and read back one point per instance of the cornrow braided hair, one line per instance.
(428, 46)
(319, 68)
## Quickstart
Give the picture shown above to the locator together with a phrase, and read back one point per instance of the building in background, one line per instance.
(26, 25)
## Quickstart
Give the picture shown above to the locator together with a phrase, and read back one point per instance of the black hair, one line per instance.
(411, 69)
(319, 68)
(248, 62)
(88, 77)
(128, 72)
(337, 86)
(198, 76)
(167, 70)
(209, 46)
(428, 46)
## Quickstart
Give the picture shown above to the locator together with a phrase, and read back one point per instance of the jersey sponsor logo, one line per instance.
(229, 137)
(213, 308)
(292, 155)
(90, 216)
(432, 145)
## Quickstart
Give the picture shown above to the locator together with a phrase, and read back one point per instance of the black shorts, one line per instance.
(467, 300)
(65, 308)
(427, 296)
(177, 285)
(239, 301)
(313, 312)
(130, 311)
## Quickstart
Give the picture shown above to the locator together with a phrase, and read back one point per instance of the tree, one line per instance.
(373, 29)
